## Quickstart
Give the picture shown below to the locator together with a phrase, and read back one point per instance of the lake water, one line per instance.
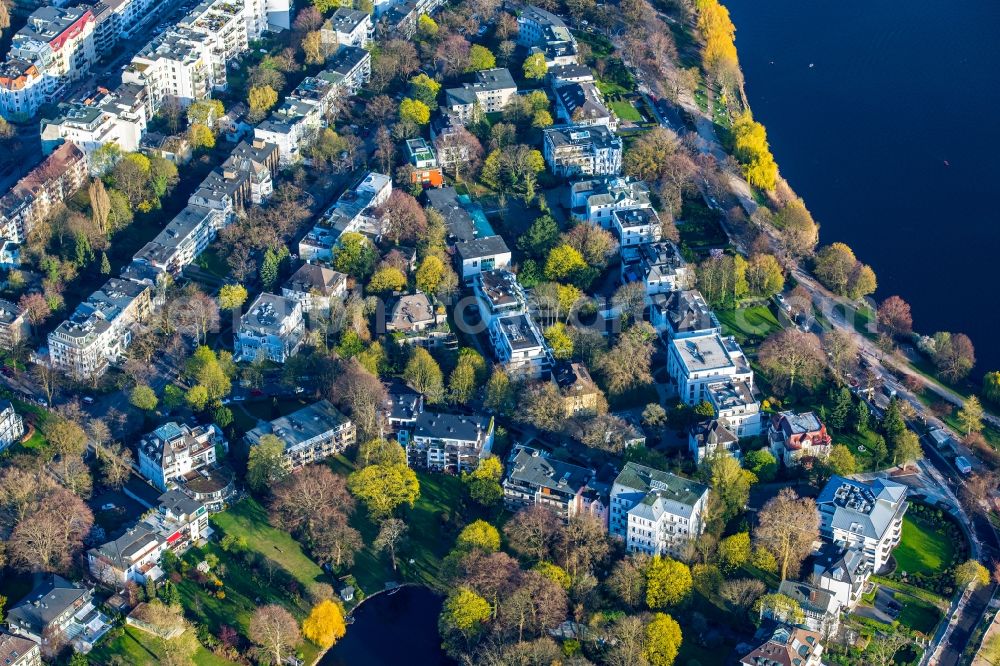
(882, 114)
(390, 630)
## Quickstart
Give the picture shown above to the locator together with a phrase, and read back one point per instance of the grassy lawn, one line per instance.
(248, 519)
(918, 614)
(625, 111)
(699, 226)
(612, 89)
(432, 531)
(755, 320)
(210, 261)
(923, 549)
(139, 648)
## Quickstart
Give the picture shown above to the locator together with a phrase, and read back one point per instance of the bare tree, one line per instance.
(390, 535)
(274, 631)
(116, 464)
(793, 357)
(532, 532)
(304, 499)
(364, 395)
(787, 527)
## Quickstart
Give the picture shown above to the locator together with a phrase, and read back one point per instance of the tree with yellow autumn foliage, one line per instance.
(325, 624)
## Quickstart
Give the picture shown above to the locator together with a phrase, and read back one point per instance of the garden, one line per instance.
(932, 545)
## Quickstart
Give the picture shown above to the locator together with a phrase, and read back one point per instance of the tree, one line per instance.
(100, 203)
(424, 89)
(834, 265)
(464, 613)
(390, 534)
(232, 296)
(762, 463)
(883, 646)
(663, 640)
(499, 392)
(735, 551)
(116, 464)
(628, 580)
(792, 357)
(742, 592)
(274, 631)
(799, 233)
(480, 58)
(730, 485)
(542, 406)
(840, 461)
(304, 500)
(971, 415)
(595, 245)
(201, 137)
(261, 99)
(325, 624)
(532, 532)
(381, 452)
(383, 488)
(991, 387)
(862, 282)
(971, 573)
(50, 533)
(751, 149)
(668, 582)
(335, 541)
(842, 351)
(265, 465)
(105, 264)
(906, 449)
(954, 356)
(479, 534)
(560, 341)
(355, 255)
(386, 280)
(423, 374)
(627, 365)
(537, 604)
(787, 526)
(144, 398)
(764, 276)
(894, 316)
(430, 274)
(364, 396)
(513, 169)
(535, 66)
(414, 111)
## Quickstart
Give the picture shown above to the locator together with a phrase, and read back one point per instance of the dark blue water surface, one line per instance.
(891, 138)
(390, 630)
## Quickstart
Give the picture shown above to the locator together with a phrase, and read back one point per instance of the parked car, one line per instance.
(963, 465)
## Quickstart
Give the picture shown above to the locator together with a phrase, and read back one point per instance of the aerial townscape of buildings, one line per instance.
(302, 302)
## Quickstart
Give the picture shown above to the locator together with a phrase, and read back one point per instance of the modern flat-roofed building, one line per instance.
(636, 226)
(695, 363)
(491, 92)
(350, 68)
(543, 32)
(100, 329)
(736, 402)
(310, 434)
(657, 512)
(117, 116)
(866, 515)
(517, 342)
(447, 442)
(582, 150)
(349, 27)
(596, 199)
(272, 328)
(480, 255)
(535, 479)
(426, 171)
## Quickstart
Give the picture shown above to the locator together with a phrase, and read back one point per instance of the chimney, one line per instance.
(229, 174)
(258, 143)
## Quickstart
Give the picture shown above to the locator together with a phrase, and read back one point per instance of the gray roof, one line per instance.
(686, 311)
(345, 20)
(451, 426)
(531, 467)
(266, 314)
(409, 311)
(661, 491)
(47, 601)
(867, 509)
(715, 432)
(845, 565)
(122, 551)
(487, 246)
(570, 71)
(9, 312)
(705, 352)
(313, 277)
(810, 598)
(458, 220)
(301, 426)
(346, 59)
(597, 136)
(729, 394)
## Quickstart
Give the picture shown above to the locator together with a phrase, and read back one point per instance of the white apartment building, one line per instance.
(659, 266)
(350, 69)
(117, 20)
(100, 329)
(14, 324)
(696, 362)
(117, 117)
(35, 196)
(11, 425)
(448, 442)
(636, 226)
(868, 516)
(348, 27)
(272, 328)
(596, 199)
(175, 65)
(313, 433)
(291, 127)
(175, 449)
(353, 211)
(22, 89)
(736, 402)
(657, 512)
(516, 340)
(478, 255)
(580, 150)
(491, 92)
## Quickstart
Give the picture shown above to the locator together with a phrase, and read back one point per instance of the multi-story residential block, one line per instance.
(19, 651)
(843, 572)
(350, 68)
(636, 226)
(683, 314)
(14, 325)
(797, 438)
(56, 611)
(315, 287)
(479, 255)
(174, 449)
(787, 646)
(35, 196)
(544, 32)
(117, 117)
(657, 512)
(118, 20)
(712, 437)
(820, 610)
(348, 27)
(659, 266)
(736, 402)
(309, 434)
(697, 362)
(173, 66)
(596, 199)
(448, 442)
(401, 408)
(420, 155)
(177, 523)
(181, 241)
(868, 516)
(581, 103)
(100, 329)
(535, 479)
(11, 425)
(517, 342)
(291, 127)
(353, 211)
(580, 394)
(491, 92)
(272, 328)
(569, 73)
(52, 50)
(581, 150)
(447, 132)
